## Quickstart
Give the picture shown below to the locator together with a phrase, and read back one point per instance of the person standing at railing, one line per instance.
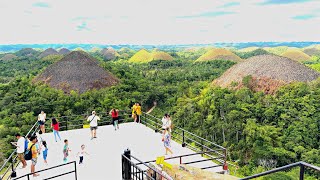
(134, 112)
(93, 124)
(139, 112)
(166, 122)
(41, 120)
(167, 141)
(55, 128)
(20, 144)
(33, 149)
(115, 118)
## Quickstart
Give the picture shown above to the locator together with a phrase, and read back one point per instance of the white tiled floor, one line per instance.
(104, 162)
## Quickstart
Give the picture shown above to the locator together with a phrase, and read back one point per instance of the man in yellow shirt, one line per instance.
(134, 112)
(32, 145)
(139, 112)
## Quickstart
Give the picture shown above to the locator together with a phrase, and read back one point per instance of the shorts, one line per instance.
(93, 128)
(21, 156)
(34, 161)
(41, 123)
(115, 119)
(45, 155)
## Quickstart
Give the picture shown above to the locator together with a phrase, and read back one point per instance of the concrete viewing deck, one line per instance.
(104, 161)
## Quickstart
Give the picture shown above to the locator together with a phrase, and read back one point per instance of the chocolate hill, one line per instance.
(64, 51)
(296, 55)
(47, 52)
(76, 71)
(312, 51)
(8, 57)
(143, 56)
(109, 53)
(27, 52)
(268, 73)
(219, 54)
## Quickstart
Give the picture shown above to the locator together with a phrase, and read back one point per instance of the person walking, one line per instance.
(45, 151)
(115, 118)
(167, 141)
(81, 153)
(55, 128)
(66, 151)
(41, 120)
(139, 112)
(20, 144)
(34, 151)
(93, 124)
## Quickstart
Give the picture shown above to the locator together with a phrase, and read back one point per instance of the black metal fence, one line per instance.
(54, 167)
(302, 165)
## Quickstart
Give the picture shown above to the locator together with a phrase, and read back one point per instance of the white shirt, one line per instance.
(42, 117)
(166, 123)
(20, 145)
(82, 153)
(94, 122)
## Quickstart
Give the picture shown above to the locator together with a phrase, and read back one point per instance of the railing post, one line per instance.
(13, 174)
(301, 172)
(75, 170)
(183, 140)
(28, 177)
(225, 164)
(126, 165)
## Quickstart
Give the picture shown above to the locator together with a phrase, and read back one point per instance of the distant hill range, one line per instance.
(265, 73)
(76, 71)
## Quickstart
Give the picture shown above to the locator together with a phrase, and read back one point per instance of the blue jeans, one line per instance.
(56, 133)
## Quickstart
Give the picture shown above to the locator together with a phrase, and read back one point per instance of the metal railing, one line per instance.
(54, 167)
(132, 171)
(301, 165)
(213, 151)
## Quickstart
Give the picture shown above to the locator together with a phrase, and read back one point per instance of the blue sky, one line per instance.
(158, 21)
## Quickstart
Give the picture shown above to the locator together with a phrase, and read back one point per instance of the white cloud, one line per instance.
(154, 22)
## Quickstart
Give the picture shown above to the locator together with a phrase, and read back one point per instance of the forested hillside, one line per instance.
(260, 131)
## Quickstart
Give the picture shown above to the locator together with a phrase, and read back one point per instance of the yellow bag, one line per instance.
(86, 126)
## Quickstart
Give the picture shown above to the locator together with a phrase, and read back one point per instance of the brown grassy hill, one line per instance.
(64, 51)
(160, 55)
(219, 54)
(109, 53)
(8, 57)
(296, 55)
(47, 52)
(268, 73)
(76, 71)
(312, 51)
(27, 52)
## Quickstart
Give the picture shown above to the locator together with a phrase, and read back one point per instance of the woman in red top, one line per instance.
(115, 118)
(55, 128)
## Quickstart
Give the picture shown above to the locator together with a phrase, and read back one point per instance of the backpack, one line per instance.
(28, 154)
(26, 142)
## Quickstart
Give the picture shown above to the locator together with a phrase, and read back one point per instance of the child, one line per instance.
(66, 151)
(167, 141)
(45, 151)
(81, 153)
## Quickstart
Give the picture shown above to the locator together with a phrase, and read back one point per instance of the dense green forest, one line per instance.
(260, 131)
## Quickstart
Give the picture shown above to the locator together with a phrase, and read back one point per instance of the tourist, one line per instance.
(115, 118)
(66, 151)
(93, 124)
(20, 144)
(26, 143)
(39, 141)
(45, 151)
(139, 112)
(134, 112)
(55, 128)
(167, 141)
(33, 149)
(42, 120)
(81, 153)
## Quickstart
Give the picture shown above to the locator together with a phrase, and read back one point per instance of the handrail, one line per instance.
(301, 164)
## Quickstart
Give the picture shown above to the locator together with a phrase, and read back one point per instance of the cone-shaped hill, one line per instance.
(109, 53)
(8, 57)
(27, 52)
(64, 51)
(265, 73)
(47, 52)
(219, 54)
(248, 49)
(312, 51)
(143, 56)
(76, 71)
(296, 55)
